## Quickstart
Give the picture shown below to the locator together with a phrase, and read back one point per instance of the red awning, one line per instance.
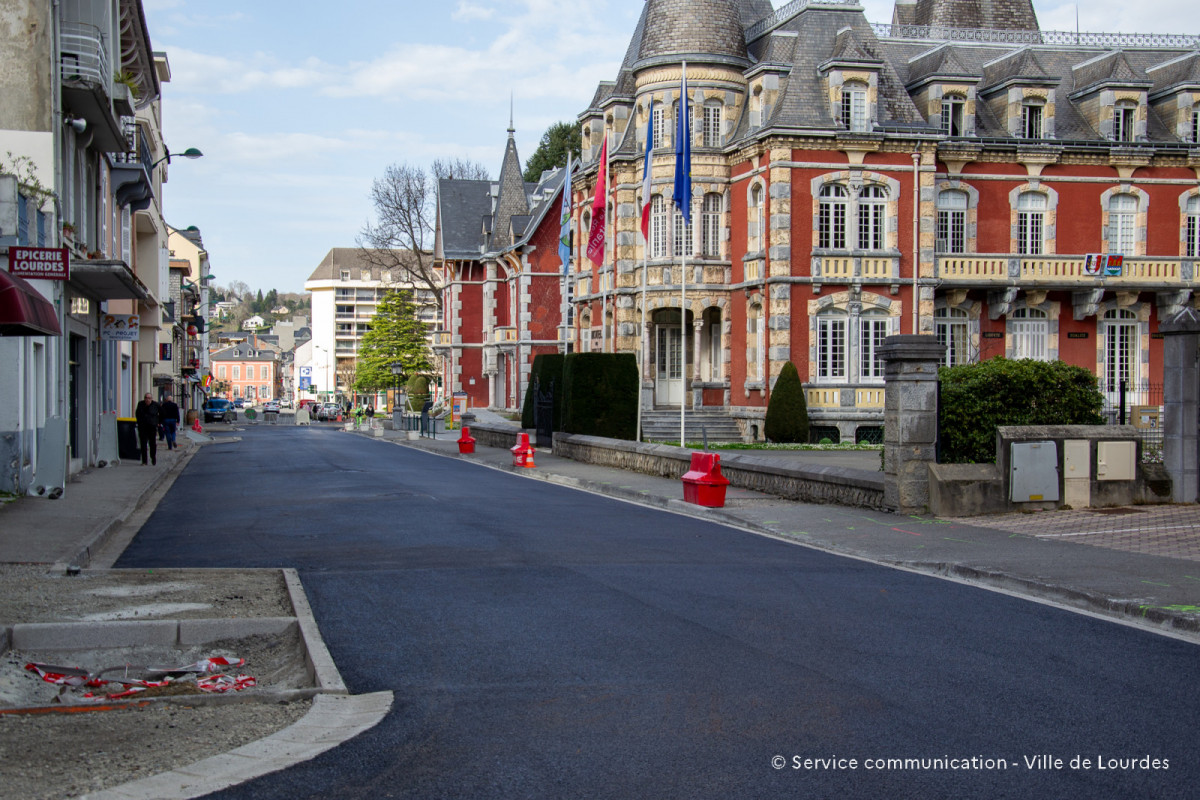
(23, 311)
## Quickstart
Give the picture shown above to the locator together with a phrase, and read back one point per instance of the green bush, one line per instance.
(546, 368)
(418, 392)
(787, 410)
(600, 395)
(976, 399)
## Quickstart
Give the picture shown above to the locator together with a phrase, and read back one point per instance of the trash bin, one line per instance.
(127, 441)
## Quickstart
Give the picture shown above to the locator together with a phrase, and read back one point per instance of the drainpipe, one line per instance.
(916, 243)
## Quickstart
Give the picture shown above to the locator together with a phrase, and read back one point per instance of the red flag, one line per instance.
(595, 248)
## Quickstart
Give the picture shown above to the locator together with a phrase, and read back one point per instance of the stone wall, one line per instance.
(809, 484)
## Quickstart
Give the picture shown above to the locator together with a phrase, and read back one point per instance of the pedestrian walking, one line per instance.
(147, 415)
(170, 421)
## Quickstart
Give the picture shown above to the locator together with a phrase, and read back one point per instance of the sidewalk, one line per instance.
(1138, 564)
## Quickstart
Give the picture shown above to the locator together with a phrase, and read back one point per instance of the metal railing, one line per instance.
(941, 33)
(84, 55)
(1140, 404)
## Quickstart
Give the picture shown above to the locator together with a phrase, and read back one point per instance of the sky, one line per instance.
(298, 107)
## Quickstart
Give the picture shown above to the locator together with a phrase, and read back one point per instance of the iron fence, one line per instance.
(1140, 404)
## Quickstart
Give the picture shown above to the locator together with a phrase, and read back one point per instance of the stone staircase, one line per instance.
(663, 426)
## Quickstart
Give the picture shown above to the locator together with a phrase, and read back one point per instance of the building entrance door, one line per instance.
(668, 385)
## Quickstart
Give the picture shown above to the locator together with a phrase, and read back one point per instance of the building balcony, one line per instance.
(1063, 271)
(88, 90)
(441, 340)
(504, 335)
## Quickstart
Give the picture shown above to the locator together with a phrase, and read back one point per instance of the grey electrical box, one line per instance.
(1033, 474)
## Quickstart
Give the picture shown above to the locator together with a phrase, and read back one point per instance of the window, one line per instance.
(951, 222)
(854, 106)
(1031, 119)
(662, 127)
(1193, 227)
(954, 115)
(221, 372)
(872, 203)
(755, 226)
(1122, 211)
(345, 274)
(831, 346)
(1123, 122)
(1120, 331)
(1031, 214)
(1029, 329)
(682, 234)
(1195, 129)
(712, 124)
(250, 372)
(237, 372)
(950, 326)
(754, 334)
(658, 226)
(710, 225)
(831, 219)
(874, 329)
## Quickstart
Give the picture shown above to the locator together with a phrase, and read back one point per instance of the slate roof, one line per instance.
(340, 258)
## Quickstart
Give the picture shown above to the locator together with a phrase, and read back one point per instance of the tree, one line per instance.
(559, 139)
(405, 200)
(787, 410)
(396, 336)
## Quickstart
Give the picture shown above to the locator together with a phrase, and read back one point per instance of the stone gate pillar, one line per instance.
(909, 419)
(1181, 404)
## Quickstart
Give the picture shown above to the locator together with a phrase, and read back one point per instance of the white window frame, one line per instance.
(711, 136)
(1124, 121)
(1031, 223)
(954, 115)
(754, 342)
(1029, 330)
(854, 107)
(1033, 118)
(951, 236)
(832, 213)
(662, 127)
(1122, 350)
(1192, 227)
(756, 228)
(1122, 223)
(658, 226)
(953, 330)
(872, 216)
(681, 234)
(873, 329)
(710, 225)
(832, 346)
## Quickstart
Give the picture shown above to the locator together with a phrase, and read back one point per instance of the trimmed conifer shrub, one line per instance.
(600, 395)
(787, 410)
(418, 392)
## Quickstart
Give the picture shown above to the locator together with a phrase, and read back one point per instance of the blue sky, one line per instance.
(298, 107)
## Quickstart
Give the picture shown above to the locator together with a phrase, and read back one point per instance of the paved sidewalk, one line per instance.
(1137, 565)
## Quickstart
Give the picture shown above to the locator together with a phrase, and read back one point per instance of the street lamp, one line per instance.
(397, 371)
(191, 152)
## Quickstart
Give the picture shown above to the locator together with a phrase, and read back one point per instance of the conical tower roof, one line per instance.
(511, 200)
(702, 29)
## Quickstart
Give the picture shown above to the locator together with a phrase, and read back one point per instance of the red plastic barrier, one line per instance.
(703, 484)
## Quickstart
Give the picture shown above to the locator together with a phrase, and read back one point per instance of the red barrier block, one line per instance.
(522, 452)
(466, 442)
(703, 484)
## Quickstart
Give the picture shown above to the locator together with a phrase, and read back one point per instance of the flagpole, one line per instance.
(684, 131)
(564, 217)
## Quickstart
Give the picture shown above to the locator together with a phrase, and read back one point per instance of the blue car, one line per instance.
(218, 409)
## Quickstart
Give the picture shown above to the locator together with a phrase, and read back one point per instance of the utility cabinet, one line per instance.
(1033, 472)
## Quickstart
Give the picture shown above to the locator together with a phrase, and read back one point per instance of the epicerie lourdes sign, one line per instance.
(47, 263)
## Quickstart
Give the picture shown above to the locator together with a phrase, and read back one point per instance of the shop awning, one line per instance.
(107, 279)
(23, 310)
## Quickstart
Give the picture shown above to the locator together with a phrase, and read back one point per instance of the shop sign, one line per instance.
(46, 263)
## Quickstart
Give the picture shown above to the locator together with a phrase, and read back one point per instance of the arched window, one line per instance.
(1119, 329)
(874, 327)
(658, 226)
(872, 203)
(1032, 112)
(831, 345)
(1029, 329)
(1031, 222)
(1124, 128)
(755, 224)
(854, 106)
(950, 326)
(1193, 227)
(682, 233)
(711, 136)
(754, 342)
(951, 222)
(831, 219)
(710, 225)
(954, 108)
(1122, 213)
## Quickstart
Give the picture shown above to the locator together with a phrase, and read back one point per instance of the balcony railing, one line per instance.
(442, 338)
(84, 55)
(1058, 270)
(504, 335)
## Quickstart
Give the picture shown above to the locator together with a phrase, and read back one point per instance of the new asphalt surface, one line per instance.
(548, 642)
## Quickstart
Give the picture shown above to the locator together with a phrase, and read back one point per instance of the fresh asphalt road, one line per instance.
(548, 643)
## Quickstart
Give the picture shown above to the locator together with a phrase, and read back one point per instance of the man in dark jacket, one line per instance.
(148, 413)
(170, 421)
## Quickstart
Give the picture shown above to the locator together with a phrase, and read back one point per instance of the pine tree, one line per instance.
(395, 336)
(787, 410)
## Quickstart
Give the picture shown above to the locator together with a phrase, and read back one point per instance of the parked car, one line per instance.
(239, 403)
(271, 406)
(329, 412)
(218, 409)
(285, 403)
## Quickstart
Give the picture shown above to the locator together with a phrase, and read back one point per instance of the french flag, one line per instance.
(646, 176)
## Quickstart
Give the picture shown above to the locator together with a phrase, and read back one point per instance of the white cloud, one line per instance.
(470, 12)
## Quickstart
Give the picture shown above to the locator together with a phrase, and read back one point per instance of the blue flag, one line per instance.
(683, 153)
(564, 222)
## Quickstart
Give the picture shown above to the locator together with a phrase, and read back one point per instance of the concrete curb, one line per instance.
(333, 719)
(321, 668)
(103, 532)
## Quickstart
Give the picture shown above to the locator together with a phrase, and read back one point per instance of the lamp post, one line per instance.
(191, 152)
(397, 371)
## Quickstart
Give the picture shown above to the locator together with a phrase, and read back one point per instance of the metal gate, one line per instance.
(543, 414)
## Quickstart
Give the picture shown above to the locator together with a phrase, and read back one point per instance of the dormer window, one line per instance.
(712, 124)
(854, 107)
(1123, 122)
(954, 115)
(1032, 119)
(345, 274)
(1195, 125)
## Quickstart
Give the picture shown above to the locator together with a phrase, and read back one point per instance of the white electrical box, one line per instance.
(1077, 459)
(1033, 472)
(1116, 461)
